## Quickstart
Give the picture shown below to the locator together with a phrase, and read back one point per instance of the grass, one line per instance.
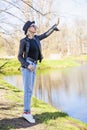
(47, 117)
(13, 65)
(57, 64)
(63, 63)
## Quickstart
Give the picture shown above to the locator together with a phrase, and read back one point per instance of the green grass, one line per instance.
(13, 65)
(47, 117)
(49, 64)
(65, 62)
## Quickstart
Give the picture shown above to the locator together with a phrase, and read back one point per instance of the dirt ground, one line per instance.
(11, 115)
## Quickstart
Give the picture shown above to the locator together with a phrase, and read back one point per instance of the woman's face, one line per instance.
(32, 28)
(31, 31)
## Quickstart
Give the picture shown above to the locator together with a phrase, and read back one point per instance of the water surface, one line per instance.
(65, 90)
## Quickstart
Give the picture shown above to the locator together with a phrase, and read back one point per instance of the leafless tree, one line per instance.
(14, 14)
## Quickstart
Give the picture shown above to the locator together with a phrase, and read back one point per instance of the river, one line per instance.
(63, 89)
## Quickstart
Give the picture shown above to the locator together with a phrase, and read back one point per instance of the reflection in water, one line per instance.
(64, 90)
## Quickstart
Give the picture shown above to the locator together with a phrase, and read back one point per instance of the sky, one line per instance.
(70, 10)
(73, 7)
(66, 10)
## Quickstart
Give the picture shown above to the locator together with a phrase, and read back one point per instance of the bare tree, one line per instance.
(13, 15)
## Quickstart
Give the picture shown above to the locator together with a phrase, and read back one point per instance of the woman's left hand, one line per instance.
(58, 22)
(56, 26)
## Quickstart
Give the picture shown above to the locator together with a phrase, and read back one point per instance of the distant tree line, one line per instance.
(70, 40)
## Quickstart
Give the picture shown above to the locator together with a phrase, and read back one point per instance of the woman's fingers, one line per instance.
(31, 67)
(58, 22)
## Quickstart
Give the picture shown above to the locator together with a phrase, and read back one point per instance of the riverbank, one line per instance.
(13, 65)
(47, 117)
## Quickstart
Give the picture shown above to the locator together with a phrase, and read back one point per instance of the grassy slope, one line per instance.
(46, 116)
(12, 65)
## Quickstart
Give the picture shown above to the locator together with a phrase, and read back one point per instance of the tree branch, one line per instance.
(12, 15)
(43, 14)
(13, 4)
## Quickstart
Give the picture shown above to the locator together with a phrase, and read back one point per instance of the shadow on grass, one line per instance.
(7, 107)
(43, 117)
(3, 88)
(16, 123)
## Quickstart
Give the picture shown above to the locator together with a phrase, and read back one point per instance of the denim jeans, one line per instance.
(28, 81)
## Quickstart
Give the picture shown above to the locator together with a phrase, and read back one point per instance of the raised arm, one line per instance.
(49, 32)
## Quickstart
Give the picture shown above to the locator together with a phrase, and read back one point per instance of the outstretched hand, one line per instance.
(58, 22)
(56, 28)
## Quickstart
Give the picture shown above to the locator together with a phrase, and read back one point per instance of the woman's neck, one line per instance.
(30, 35)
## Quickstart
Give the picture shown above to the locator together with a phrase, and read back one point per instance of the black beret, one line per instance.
(27, 25)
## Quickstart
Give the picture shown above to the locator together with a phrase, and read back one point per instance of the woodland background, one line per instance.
(70, 40)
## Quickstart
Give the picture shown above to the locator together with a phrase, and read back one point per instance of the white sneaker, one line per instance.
(28, 117)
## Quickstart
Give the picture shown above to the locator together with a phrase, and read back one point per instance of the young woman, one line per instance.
(29, 54)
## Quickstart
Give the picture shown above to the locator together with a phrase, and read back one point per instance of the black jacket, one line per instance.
(24, 46)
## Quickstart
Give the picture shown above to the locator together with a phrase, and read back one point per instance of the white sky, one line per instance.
(66, 10)
(74, 7)
(69, 10)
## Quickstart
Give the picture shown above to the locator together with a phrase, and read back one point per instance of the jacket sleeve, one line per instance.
(21, 54)
(50, 31)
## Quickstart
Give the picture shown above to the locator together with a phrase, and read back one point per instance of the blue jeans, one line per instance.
(28, 81)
